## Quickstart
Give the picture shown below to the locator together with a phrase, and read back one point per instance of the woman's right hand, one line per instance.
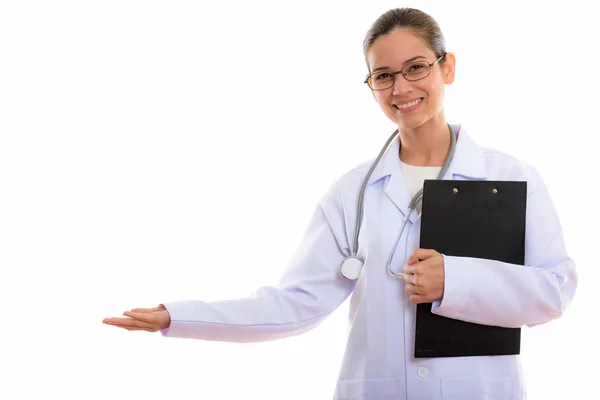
(142, 319)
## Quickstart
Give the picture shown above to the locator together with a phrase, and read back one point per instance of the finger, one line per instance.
(160, 307)
(149, 310)
(411, 289)
(143, 310)
(419, 298)
(416, 299)
(412, 259)
(409, 269)
(127, 322)
(135, 328)
(140, 316)
(410, 278)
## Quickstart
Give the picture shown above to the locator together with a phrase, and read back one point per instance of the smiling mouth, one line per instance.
(408, 105)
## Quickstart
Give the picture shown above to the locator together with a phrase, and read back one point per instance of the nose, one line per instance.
(401, 85)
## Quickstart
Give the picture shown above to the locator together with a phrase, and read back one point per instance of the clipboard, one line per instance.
(481, 219)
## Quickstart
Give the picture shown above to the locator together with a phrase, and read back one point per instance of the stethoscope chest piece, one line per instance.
(351, 268)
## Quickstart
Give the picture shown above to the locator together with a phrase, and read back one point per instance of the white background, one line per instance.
(155, 151)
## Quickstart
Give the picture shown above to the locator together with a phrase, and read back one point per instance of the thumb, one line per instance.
(421, 254)
(145, 310)
(412, 259)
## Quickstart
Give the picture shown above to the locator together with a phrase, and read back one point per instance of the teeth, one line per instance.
(407, 105)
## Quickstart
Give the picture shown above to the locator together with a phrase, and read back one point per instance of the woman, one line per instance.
(408, 69)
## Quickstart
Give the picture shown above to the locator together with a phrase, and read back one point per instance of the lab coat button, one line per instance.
(422, 372)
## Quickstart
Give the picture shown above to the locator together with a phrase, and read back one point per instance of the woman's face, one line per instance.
(409, 104)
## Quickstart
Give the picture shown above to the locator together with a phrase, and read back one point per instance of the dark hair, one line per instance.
(411, 19)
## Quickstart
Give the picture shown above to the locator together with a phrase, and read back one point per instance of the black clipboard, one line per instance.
(481, 219)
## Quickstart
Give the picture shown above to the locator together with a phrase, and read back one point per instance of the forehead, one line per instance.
(393, 49)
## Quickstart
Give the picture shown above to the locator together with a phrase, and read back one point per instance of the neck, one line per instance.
(427, 145)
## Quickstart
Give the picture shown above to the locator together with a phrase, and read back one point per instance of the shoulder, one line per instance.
(343, 192)
(352, 179)
(500, 162)
(494, 164)
(505, 166)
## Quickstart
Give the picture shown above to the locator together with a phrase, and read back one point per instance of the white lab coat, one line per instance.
(378, 362)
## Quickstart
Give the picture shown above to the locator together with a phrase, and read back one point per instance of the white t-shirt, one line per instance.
(415, 176)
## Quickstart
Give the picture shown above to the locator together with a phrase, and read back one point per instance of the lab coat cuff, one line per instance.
(175, 310)
(456, 289)
(190, 320)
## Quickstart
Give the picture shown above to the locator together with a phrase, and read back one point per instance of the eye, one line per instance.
(415, 67)
(382, 75)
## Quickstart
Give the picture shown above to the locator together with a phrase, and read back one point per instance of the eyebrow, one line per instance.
(405, 62)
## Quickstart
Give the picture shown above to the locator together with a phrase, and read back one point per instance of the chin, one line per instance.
(410, 121)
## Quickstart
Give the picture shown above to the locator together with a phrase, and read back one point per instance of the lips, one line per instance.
(407, 105)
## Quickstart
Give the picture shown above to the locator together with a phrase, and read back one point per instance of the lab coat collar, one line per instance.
(468, 163)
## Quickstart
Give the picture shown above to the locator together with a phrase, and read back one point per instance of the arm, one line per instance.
(309, 290)
(495, 293)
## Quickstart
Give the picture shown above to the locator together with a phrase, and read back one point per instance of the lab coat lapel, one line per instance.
(394, 184)
(397, 191)
(468, 163)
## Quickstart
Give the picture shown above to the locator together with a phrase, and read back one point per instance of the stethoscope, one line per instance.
(352, 265)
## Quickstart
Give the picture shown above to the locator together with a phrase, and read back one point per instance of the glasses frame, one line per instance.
(367, 80)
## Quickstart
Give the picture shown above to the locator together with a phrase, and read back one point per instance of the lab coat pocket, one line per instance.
(479, 389)
(367, 389)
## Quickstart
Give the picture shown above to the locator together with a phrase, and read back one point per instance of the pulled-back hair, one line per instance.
(410, 19)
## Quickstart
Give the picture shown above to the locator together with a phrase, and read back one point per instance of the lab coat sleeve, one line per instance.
(495, 293)
(309, 290)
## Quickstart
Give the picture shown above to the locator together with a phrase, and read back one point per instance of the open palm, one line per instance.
(142, 319)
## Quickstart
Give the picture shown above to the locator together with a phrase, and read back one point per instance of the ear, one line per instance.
(448, 68)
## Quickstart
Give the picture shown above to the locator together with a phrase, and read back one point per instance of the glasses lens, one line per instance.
(381, 80)
(416, 71)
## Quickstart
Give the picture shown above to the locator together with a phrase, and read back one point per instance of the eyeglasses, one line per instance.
(415, 71)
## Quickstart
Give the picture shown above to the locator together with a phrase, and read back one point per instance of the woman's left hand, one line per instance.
(425, 276)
